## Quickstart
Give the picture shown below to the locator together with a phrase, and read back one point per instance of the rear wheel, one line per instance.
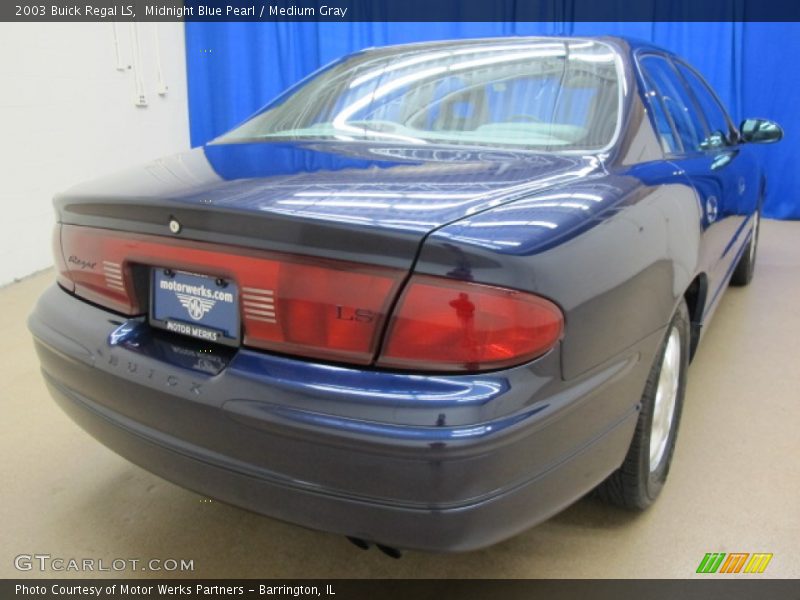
(637, 483)
(747, 263)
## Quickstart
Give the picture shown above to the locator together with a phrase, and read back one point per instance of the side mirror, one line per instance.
(760, 131)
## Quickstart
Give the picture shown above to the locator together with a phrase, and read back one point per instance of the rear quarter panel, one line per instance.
(616, 253)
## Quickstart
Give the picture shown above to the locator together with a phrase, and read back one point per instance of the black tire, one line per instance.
(743, 273)
(637, 483)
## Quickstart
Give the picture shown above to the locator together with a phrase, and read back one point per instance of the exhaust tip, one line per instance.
(358, 542)
(390, 552)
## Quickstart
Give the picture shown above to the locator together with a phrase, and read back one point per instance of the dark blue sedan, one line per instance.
(427, 298)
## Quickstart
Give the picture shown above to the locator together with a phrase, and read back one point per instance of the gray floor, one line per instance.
(734, 486)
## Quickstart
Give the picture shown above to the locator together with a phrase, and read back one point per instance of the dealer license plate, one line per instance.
(198, 306)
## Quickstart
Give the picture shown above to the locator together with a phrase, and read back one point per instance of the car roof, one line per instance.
(623, 44)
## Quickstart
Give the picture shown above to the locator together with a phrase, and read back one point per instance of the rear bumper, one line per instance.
(424, 462)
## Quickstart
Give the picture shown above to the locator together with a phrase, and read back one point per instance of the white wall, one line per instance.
(68, 114)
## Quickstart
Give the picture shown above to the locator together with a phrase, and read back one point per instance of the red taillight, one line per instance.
(322, 308)
(297, 305)
(93, 261)
(334, 310)
(61, 266)
(445, 325)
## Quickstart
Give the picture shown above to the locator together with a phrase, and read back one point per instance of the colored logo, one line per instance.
(735, 562)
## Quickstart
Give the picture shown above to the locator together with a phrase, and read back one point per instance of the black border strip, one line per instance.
(402, 10)
(714, 588)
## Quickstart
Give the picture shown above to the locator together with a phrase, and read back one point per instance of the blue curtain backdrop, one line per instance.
(235, 68)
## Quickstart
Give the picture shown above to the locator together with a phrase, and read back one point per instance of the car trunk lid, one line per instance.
(355, 202)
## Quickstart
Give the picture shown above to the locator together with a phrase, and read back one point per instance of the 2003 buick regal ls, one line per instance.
(427, 298)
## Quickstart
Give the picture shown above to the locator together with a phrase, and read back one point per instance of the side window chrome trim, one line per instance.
(733, 132)
(642, 54)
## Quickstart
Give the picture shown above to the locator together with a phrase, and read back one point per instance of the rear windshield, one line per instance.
(547, 95)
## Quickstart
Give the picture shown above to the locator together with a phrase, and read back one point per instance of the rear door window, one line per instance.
(665, 86)
(718, 121)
